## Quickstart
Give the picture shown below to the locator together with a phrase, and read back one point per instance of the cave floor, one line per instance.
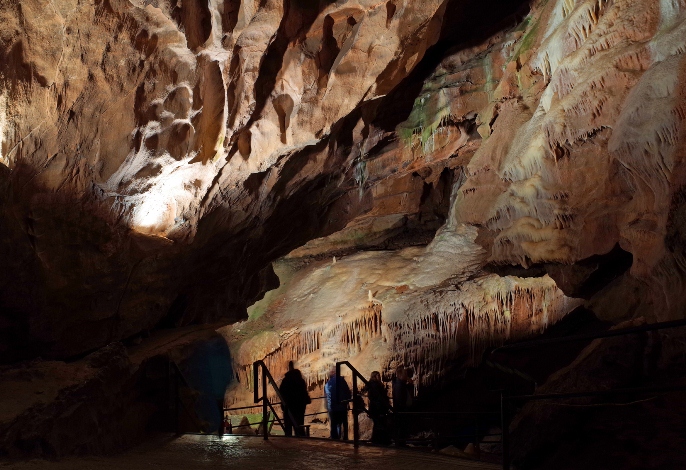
(191, 452)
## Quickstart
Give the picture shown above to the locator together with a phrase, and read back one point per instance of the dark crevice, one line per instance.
(195, 18)
(328, 52)
(582, 279)
(534, 270)
(390, 12)
(230, 15)
(176, 312)
(588, 276)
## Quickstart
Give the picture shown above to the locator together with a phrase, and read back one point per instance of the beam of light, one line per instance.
(155, 214)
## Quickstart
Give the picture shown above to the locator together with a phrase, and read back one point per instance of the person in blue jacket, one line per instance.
(337, 396)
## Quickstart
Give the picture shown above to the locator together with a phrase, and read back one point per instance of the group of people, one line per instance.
(293, 390)
(380, 407)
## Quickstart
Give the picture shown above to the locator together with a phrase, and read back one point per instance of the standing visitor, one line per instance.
(337, 396)
(402, 401)
(293, 390)
(379, 405)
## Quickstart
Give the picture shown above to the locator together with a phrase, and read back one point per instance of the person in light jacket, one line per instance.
(337, 396)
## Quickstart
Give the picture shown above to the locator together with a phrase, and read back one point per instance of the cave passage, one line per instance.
(476, 207)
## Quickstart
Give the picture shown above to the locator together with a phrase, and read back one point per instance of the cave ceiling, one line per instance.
(469, 168)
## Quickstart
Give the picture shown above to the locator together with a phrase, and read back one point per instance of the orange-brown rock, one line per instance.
(429, 178)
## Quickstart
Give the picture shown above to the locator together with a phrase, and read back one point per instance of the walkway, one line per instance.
(193, 452)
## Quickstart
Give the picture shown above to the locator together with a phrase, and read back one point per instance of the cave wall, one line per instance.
(430, 179)
(155, 152)
(549, 135)
(152, 145)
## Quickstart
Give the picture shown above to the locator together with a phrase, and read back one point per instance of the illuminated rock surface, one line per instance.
(429, 179)
(547, 133)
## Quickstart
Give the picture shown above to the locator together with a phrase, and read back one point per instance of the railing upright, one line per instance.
(265, 405)
(177, 420)
(508, 400)
(267, 378)
(356, 420)
(505, 433)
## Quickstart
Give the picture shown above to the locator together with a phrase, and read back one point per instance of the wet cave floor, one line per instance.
(190, 452)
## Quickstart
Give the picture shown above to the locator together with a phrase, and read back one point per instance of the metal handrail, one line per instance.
(597, 393)
(236, 408)
(267, 378)
(446, 412)
(508, 400)
(604, 334)
(356, 375)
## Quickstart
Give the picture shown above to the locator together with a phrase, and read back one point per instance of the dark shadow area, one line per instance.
(582, 279)
(541, 361)
(177, 310)
(479, 388)
(639, 429)
(588, 276)
(208, 372)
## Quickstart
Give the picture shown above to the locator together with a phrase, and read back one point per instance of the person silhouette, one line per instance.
(293, 390)
(337, 395)
(379, 406)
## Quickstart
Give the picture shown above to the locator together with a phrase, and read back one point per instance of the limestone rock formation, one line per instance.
(550, 135)
(125, 124)
(429, 179)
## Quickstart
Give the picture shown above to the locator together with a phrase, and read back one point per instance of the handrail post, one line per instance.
(336, 400)
(338, 381)
(266, 405)
(255, 381)
(505, 425)
(168, 396)
(356, 421)
(356, 374)
(220, 404)
(265, 417)
(476, 437)
(176, 403)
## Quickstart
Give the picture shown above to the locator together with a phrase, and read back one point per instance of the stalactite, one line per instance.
(485, 318)
(354, 335)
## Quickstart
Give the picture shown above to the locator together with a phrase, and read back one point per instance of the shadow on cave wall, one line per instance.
(47, 235)
(581, 279)
(208, 372)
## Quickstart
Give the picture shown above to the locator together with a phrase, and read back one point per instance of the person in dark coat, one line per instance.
(402, 401)
(293, 390)
(402, 391)
(379, 405)
(337, 396)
